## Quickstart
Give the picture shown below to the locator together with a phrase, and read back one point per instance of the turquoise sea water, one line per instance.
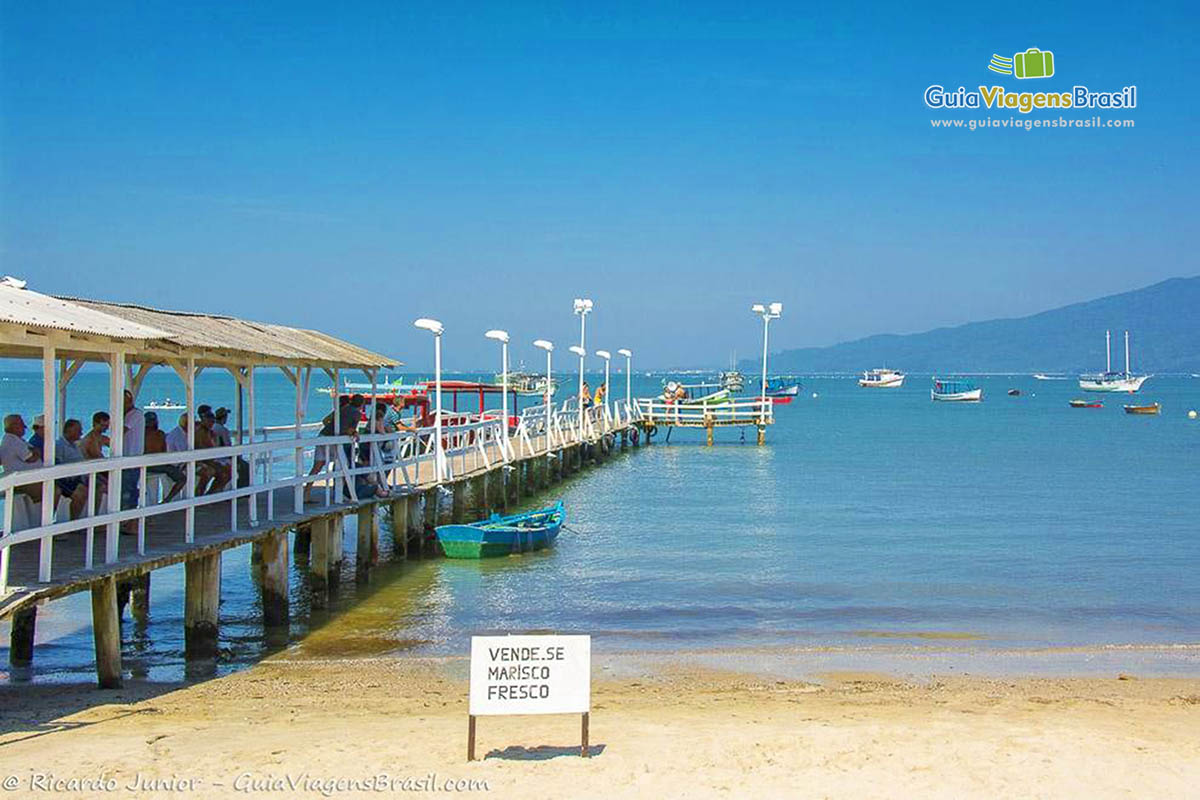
(871, 518)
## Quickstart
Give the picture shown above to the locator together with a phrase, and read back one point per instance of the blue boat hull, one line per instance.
(502, 536)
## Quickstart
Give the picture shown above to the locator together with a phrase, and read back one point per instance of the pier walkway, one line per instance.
(296, 481)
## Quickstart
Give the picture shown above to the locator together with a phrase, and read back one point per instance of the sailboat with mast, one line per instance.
(1111, 381)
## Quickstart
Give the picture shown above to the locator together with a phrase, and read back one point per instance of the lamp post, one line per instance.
(583, 307)
(628, 378)
(768, 312)
(549, 348)
(607, 356)
(502, 338)
(439, 455)
(583, 397)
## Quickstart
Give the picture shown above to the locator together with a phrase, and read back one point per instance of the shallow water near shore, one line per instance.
(875, 527)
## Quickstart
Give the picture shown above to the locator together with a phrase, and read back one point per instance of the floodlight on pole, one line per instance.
(768, 312)
(439, 457)
(583, 307)
(548, 346)
(628, 376)
(502, 338)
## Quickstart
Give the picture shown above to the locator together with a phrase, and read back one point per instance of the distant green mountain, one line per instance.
(1163, 321)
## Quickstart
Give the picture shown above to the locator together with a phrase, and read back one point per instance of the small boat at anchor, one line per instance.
(1086, 404)
(502, 536)
(1151, 409)
(166, 404)
(955, 390)
(782, 390)
(883, 378)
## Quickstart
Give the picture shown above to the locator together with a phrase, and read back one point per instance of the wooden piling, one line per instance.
(400, 527)
(367, 547)
(762, 434)
(24, 623)
(202, 596)
(512, 486)
(416, 525)
(318, 562)
(106, 630)
(527, 476)
(303, 539)
(275, 579)
(139, 603)
(431, 508)
(499, 485)
(480, 501)
(708, 434)
(337, 546)
(458, 506)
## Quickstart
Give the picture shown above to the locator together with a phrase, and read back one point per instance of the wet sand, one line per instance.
(296, 728)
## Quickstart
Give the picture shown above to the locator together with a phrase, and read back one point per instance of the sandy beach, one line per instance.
(374, 727)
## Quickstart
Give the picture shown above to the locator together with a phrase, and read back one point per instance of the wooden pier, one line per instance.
(300, 487)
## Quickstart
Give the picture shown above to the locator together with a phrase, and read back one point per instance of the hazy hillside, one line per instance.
(1163, 321)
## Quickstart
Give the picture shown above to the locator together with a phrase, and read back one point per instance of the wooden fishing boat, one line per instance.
(955, 390)
(782, 391)
(502, 536)
(1153, 408)
(1086, 404)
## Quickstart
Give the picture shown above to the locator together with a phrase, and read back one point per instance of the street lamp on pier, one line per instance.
(502, 338)
(768, 312)
(549, 348)
(439, 457)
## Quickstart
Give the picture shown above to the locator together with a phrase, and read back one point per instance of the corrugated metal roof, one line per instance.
(26, 307)
(214, 332)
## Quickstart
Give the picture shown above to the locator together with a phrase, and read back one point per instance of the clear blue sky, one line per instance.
(353, 166)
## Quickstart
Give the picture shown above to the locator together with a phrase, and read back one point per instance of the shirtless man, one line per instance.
(216, 470)
(156, 442)
(92, 445)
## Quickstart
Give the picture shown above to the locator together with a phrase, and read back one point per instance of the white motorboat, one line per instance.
(881, 379)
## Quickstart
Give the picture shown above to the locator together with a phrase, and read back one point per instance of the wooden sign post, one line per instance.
(530, 675)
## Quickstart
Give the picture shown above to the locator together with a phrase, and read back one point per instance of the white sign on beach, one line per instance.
(530, 675)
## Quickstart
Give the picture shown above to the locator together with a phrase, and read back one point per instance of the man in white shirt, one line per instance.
(134, 445)
(17, 456)
(177, 437)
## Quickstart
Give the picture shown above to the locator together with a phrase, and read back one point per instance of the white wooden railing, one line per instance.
(730, 412)
(278, 459)
(275, 463)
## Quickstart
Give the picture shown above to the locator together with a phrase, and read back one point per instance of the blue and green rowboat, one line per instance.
(502, 536)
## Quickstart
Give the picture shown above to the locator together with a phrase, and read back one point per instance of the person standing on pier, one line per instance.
(349, 413)
(134, 445)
